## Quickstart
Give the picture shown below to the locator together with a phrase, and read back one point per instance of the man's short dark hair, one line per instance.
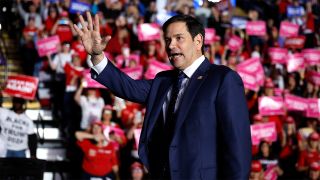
(194, 27)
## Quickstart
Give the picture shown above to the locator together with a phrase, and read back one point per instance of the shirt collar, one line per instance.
(194, 66)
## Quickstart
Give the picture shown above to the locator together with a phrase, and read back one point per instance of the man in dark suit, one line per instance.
(196, 123)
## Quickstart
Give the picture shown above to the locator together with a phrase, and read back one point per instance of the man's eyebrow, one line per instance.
(175, 35)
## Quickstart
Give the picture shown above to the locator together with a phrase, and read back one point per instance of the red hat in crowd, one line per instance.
(256, 166)
(107, 109)
(268, 83)
(289, 120)
(315, 166)
(314, 136)
(136, 165)
(64, 14)
(257, 117)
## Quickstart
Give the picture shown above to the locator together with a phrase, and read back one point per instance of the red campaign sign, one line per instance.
(295, 42)
(134, 57)
(249, 80)
(22, 86)
(295, 62)
(148, 32)
(48, 45)
(312, 56)
(269, 106)
(314, 77)
(278, 55)
(134, 73)
(256, 28)
(265, 131)
(154, 68)
(313, 110)
(295, 103)
(288, 29)
(253, 65)
(235, 43)
(89, 82)
(210, 35)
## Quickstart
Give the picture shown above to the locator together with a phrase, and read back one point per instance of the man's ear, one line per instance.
(198, 39)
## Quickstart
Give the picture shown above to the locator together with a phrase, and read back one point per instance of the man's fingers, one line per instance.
(90, 25)
(105, 41)
(78, 30)
(83, 24)
(96, 23)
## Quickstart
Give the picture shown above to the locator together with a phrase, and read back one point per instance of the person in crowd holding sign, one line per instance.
(99, 159)
(17, 130)
(196, 123)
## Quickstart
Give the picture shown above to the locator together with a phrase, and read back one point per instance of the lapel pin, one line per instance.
(200, 77)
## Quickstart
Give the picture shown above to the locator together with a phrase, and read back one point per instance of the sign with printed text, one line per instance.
(295, 103)
(265, 131)
(314, 77)
(148, 32)
(134, 73)
(288, 29)
(253, 65)
(48, 45)
(295, 42)
(295, 62)
(156, 67)
(256, 28)
(235, 43)
(89, 82)
(78, 7)
(210, 34)
(311, 56)
(271, 105)
(313, 110)
(278, 55)
(22, 86)
(249, 80)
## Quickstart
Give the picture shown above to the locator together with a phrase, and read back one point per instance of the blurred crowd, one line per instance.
(103, 129)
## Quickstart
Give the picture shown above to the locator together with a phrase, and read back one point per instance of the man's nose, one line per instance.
(172, 44)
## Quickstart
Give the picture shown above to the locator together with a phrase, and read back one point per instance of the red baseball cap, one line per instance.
(136, 165)
(289, 120)
(314, 136)
(315, 166)
(256, 166)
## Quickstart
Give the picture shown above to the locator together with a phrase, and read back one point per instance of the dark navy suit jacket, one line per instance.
(212, 133)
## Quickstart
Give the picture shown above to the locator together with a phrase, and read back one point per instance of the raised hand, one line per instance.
(91, 39)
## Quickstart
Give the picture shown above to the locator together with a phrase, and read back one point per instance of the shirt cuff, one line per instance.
(98, 68)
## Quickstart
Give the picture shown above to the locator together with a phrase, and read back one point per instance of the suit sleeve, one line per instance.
(234, 138)
(122, 85)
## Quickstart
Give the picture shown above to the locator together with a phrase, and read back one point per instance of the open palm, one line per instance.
(90, 35)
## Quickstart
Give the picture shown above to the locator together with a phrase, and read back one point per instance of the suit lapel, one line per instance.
(195, 82)
(163, 89)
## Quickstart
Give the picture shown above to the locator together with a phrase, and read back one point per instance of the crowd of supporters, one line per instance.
(105, 128)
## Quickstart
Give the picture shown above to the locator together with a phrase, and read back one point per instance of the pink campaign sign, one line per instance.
(278, 55)
(295, 103)
(249, 80)
(314, 77)
(89, 82)
(148, 32)
(278, 92)
(134, 73)
(156, 67)
(288, 29)
(295, 62)
(235, 43)
(265, 131)
(271, 106)
(313, 110)
(210, 35)
(311, 56)
(256, 28)
(48, 45)
(253, 65)
(132, 57)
